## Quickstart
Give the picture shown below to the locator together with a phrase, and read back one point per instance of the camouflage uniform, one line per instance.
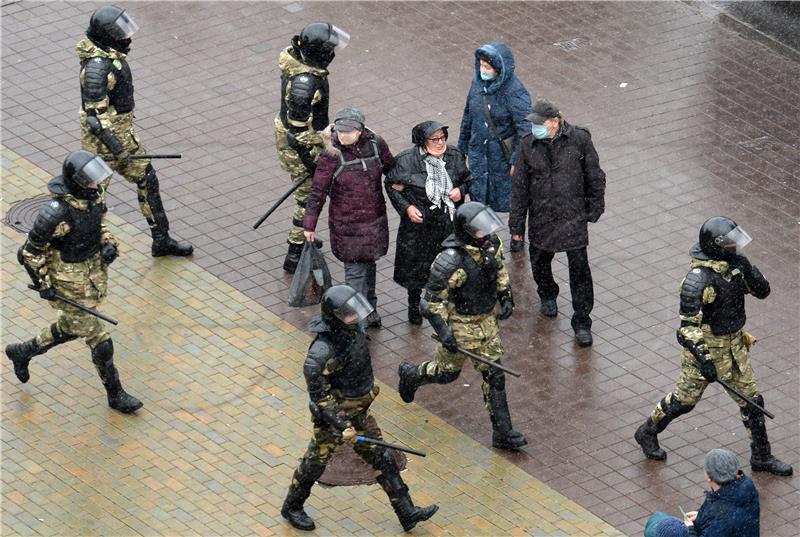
(466, 282)
(67, 252)
(304, 114)
(338, 371)
(107, 95)
(712, 316)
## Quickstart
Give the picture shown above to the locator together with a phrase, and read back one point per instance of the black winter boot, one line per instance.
(163, 245)
(761, 458)
(414, 315)
(21, 353)
(118, 399)
(503, 434)
(292, 257)
(303, 479)
(389, 479)
(646, 434)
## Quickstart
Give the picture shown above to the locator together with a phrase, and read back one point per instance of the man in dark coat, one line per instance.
(731, 507)
(559, 186)
(349, 170)
(426, 186)
(341, 386)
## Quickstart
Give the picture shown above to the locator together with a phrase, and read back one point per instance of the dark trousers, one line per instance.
(580, 282)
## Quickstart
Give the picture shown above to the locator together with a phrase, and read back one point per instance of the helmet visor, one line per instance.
(124, 26)
(355, 310)
(736, 239)
(94, 171)
(484, 223)
(339, 38)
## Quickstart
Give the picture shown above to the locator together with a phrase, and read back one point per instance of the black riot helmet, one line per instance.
(317, 42)
(82, 172)
(721, 238)
(343, 308)
(422, 131)
(474, 222)
(112, 27)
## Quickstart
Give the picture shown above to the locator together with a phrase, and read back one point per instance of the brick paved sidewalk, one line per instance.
(224, 422)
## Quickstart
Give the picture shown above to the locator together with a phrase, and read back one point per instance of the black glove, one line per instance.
(108, 253)
(708, 370)
(47, 293)
(506, 309)
(742, 263)
(448, 340)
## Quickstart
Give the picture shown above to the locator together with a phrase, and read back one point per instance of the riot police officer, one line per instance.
(106, 117)
(338, 372)
(714, 343)
(67, 252)
(468, 278)
(304, 115)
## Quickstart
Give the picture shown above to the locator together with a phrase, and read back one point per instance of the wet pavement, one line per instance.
(691, 119)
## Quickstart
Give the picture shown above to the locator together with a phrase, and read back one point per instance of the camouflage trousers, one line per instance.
(290, 161)
(85, 282)
(326, 439)
(135, 171)
(731, 356)
(475, 333)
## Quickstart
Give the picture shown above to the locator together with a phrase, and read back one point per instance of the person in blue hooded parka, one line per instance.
(491, 145)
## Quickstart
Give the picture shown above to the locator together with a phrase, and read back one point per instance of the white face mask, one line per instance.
(348, 138)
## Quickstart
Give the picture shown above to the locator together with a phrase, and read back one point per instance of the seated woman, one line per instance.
(426, 186)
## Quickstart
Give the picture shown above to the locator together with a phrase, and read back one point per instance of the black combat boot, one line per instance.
(414, 315)
(647, 437)
(503, 434)
(21, 353)
(408, 381)
(292, 257)
(389, 479)
(163, 245)
(303, 479)
(150, 196)
(761, 458)
(647, 433)
(118, 399)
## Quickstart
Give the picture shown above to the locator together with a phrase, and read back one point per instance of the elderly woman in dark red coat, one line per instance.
(349, 172)
(426, 186)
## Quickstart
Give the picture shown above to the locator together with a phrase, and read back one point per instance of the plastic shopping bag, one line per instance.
(311, 279)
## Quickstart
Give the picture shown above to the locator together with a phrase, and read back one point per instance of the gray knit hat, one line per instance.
(349, 119)
(721, 466)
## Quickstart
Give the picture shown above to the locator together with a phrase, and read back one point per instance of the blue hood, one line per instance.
(502, 58)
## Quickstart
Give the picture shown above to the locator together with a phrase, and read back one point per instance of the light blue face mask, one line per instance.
(488, 76)
(539, 132)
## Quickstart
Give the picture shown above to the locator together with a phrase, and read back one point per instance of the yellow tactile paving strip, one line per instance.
(224, 422)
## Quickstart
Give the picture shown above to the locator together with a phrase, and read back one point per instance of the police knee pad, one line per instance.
(150, 179)
(309, 471)
(387, 464)
(446, 377)
(751, 414)
(494, 377)
(675, 408)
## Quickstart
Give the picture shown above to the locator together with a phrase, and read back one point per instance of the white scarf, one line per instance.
(438, 184)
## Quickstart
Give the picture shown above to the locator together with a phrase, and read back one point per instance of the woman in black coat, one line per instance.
(426, 186)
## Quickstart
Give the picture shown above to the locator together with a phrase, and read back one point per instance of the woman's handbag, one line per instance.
(506, 144)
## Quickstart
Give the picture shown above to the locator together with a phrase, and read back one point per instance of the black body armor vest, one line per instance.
(303, 88)
(351, 375)
(83, 240)
(95, 83)
(726, 314)
(479, 294)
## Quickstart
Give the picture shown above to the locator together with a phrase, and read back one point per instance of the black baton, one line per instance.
(737, 393)
(288, 193)
(367, 440)
(140, 157)
(481, 359)
(81, 307)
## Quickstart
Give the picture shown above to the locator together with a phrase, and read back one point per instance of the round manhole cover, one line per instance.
(22, 215)
(347, 468)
